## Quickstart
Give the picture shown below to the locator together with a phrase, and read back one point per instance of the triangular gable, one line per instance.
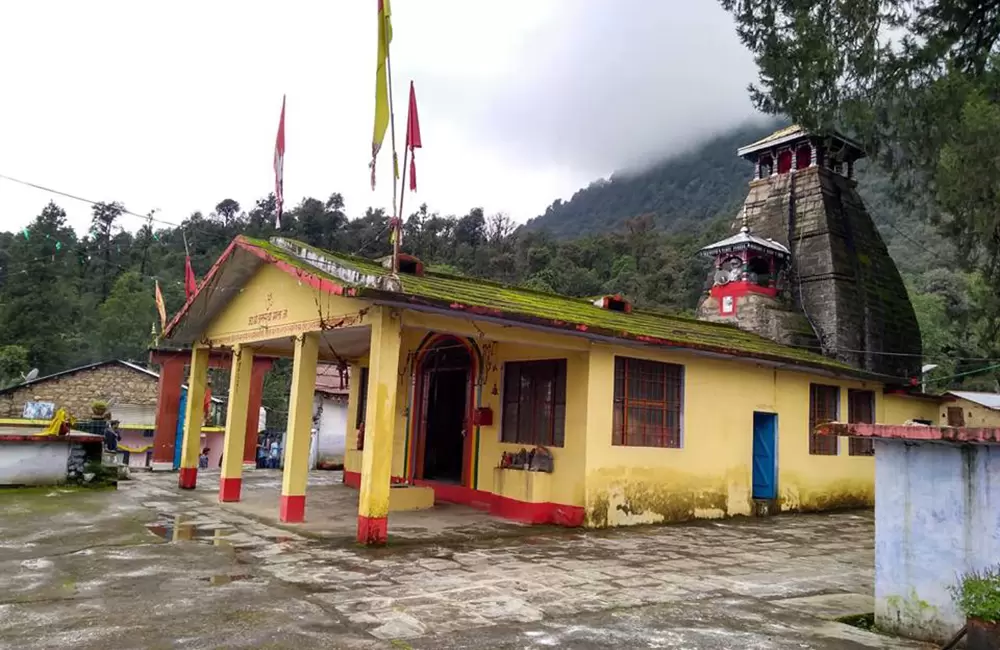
(251, 295)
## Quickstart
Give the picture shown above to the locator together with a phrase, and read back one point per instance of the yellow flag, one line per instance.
(160, 307)
(381, 81)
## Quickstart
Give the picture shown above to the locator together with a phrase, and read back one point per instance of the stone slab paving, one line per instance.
(148, 566)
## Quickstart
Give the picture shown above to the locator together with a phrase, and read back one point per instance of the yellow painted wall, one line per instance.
(272, 304)
(710, 476)
(900, 409)
(976, 415)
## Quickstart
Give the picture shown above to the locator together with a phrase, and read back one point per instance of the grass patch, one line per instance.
(978, 594)
(862, 621)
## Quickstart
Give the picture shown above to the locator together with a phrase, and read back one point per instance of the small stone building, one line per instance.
(965, 408)
(130, 389)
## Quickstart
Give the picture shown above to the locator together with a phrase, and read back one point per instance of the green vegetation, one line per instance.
(918, 84)
(978, 594)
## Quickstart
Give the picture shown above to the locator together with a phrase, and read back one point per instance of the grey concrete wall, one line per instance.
(937, 515)
(33, 463)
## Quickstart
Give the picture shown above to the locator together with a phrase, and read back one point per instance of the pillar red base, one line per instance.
(293, 508)
(229, 489)
(188, 478)
(373, 531)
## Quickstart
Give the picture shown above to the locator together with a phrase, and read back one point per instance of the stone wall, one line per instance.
(842, 276)
(78, 390)
(935, 518)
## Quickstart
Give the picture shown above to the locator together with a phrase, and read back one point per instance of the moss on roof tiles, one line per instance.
(462, 292)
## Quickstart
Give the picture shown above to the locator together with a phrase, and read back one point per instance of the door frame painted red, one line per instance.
(418, 425)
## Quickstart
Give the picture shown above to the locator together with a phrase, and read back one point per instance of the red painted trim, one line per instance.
(506, 507)
(293, 508)
(254, 399)
(187, 479)
(497, 505)
(167, 406)
(70, 438)
(353, 479)
(204, 283)
(418, 436)
(316, 282)
(742, 288)
(373, 531)
(912, 432)
(229, 489)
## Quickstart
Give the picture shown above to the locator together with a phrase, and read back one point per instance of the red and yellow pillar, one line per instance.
(300, 408)
(380, 424)
(240, 384)
(167, 405)
(194, 416)
(260, 367)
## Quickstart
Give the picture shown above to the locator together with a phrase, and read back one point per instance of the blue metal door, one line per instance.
(765, 465)
(179, 435)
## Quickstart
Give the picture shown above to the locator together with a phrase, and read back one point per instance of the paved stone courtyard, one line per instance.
(148, 566)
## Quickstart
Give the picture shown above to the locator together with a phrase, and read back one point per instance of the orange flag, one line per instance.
(160, 307)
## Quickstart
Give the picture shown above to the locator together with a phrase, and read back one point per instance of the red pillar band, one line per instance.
(373, 531)
(167, 410)
(229, 489)
(188, 478)
(260, 368)
(293, 508)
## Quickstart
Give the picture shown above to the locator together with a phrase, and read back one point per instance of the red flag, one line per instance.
(279, 165)
(190, 283)
(413, 136)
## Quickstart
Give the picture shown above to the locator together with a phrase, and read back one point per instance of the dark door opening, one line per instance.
(446, 385)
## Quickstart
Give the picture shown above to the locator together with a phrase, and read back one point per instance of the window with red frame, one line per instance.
(534, 402)
(861, 408)
(824, 406)
(648, 403)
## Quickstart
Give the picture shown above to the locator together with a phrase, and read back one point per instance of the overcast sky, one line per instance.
(521, 101)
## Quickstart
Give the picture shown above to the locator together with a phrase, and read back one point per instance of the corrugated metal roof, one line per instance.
(989, 400)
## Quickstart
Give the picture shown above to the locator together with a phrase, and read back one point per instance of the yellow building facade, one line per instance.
(539, 408)
(970, 409)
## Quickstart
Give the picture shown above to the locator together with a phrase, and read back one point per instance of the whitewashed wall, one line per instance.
(331, 429)
(937, 515)
(33, 463)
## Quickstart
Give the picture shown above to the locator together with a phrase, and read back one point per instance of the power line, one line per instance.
(144, 217)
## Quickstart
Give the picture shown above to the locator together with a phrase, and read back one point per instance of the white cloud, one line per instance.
(520, 101)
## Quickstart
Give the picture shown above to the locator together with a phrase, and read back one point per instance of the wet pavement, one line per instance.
(149, 566)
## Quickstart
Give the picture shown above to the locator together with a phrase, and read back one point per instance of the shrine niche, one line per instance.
(744, 264)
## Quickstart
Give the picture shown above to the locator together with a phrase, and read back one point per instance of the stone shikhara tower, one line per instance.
(808, 266)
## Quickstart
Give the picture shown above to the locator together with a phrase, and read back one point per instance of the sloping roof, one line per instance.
(356, 277)
(89, 366)
(989, 400)
(791, 133)
(745, 239)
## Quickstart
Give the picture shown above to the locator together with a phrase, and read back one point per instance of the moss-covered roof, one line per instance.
(577, 315)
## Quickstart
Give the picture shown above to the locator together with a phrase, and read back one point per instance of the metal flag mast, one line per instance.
(395, 222)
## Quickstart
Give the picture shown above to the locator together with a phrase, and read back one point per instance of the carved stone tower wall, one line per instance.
(841, 277)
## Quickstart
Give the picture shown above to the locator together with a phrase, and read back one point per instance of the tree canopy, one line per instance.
(917, 83)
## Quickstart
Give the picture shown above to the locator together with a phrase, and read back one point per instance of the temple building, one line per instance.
(545, 408)
(838, 289)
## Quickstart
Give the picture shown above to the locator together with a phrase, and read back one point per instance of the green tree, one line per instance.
(39, 304)
(125, 319)
(13, 364)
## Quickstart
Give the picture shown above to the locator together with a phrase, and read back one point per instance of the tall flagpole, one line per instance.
(396, 230)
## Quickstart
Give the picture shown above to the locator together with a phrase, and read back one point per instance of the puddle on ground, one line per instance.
(225, 578)
(176, 528)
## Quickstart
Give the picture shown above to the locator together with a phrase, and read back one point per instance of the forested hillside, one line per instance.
(691, 188)
(68, 299)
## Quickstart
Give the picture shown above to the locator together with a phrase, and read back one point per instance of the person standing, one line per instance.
(275, 454)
